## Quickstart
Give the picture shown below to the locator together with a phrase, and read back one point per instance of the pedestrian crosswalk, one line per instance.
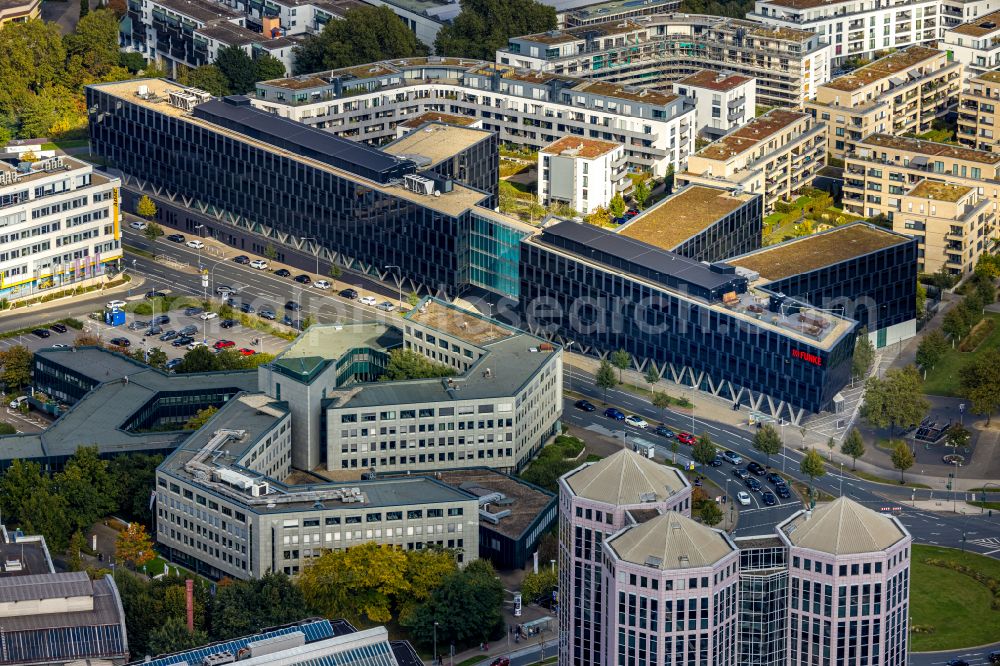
(991, 544)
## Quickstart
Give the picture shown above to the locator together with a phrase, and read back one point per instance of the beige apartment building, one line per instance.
(774, 155)
(883, 175)
(899, 94)
(977, 113)
(952, 224)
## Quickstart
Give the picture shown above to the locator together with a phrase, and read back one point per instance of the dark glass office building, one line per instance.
(763, 615)
(268, 179)
(695, 323)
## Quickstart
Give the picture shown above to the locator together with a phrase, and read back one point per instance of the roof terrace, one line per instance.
(747, 137)
(884, 68)
(933, 189)
(930, 148)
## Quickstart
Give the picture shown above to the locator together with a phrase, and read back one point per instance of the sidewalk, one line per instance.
(134, 285)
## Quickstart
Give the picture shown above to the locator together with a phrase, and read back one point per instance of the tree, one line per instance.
(675, 448)
(466, 608)
(86, 340)
(931, 349)
(605, 377)
(335, 272)
(238, 69)
(200, 418)
(134, 475)
(854, 446)
(266, 67)
(539, 584)
(812, 465)
(622, 360)
(956, 323)
(957, 436)
(152, 231)
(710, 513)
(84, 8)
(412, 299)
(172, 635)
(366, 34)
(92, 47)
(979, 382)
(134, 546)
(864, 354)
(988, 266)
(16, 363)
(271, 252)
(830, 444)
(661, 399)
(427, 568)
(767, 441)
(16, 485)
(652, 376)
(896, 400)
(484, 26)
(199, 359)
(132, 61)
(617, 205)
(74, 559)
(145, 208)
(408, 364)
(361, 583)
(921, 300)
(704, 450)
(902, 458)
(7, 429)
(33, 60)
(244, 607)
(641, 194)
(86, 485)
(208, 78)
(155, 357)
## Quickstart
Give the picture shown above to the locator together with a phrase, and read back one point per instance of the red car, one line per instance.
(224, 344)
(501, 661)
(686, 438)
(246, 352)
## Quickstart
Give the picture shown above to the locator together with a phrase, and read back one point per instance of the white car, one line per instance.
(16, 402)
(196, 344)
(367, 300)
(743, 497)
(196, 244)
(112, 305)
(208, 315)
(139, 226)
(322, 284)
(636, 422)
(259, 264)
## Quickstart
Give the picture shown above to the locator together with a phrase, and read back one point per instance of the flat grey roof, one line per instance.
(30, 551)
(529, 502)
(56, 586)
(200, 10)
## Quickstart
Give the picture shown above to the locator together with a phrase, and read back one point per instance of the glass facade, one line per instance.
(763, 612)
(495, 256)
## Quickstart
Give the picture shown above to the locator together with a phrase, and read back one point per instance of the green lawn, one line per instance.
(956, 606)
(64, 144)
(942, 379)
(881, 479)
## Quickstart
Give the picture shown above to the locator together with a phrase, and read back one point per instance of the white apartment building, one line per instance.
(527, 108)
(59, 225)
(857, 28)
(723, 101)
(584, 174)
(975, 44)
(653, 51)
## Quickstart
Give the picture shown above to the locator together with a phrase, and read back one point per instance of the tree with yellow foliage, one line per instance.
(134, 545)
(361, 584)
(427, 570)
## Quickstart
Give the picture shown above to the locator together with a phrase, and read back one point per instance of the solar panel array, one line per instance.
(235, 113)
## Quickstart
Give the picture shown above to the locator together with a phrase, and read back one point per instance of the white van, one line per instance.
(17, 402)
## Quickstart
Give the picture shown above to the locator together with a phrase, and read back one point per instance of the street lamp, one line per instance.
(317, 251)
(435, 642)
(399, 283)
(841, 479)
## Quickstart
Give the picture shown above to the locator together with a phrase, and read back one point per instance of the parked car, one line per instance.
(613, 413)
(293, 306)
(266, 313)
(259, 264)
(584, 405)
(173, 363)
(58, 328)
(182, 341)
(686, 438)
(42, 332)
(153, 330)
(294, 323)
(196, 244)
(769, 498)
(17, 402)
(228, 323)
(176, 238)
(195, 344)
(732, 457)
(386, 306)
(169, 335)
(741, 473)
(636, 422)
(500, 661)
(322, 284)
(224, 344)
(716, 461)
(247, 308)
(161, 319)
(367, 300)
(775, 479)
(190, 329)
(191, 311)
(112, 305)
(205, 316)
(121, 342)
(743, 497)
(242, 259)
(664, 431)
(782, 491)
(139, 226)
(155, 294)
(246, 351)
(283, 272)
(303, 279)
(226, 290)
(138, 325)
(752, 483)
(756, 468)
(352, 294)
